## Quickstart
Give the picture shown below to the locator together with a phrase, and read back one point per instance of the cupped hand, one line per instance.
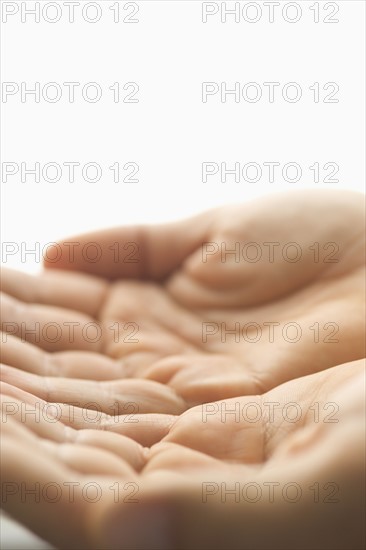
(231, 302)
(281, 470)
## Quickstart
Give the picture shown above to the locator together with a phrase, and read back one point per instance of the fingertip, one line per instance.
(52, 256)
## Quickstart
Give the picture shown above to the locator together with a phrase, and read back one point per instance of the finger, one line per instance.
(50, 328)
(45, 493)
(145, 429)
(66, 290)
(133, 252)
(86, 459)
(43, 420)
(68, 364)
(122, 446)
(20, 477)
(117, 397)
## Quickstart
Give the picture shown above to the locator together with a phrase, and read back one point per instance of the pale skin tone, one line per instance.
(292, 318)
(181, 289)
(178, 480)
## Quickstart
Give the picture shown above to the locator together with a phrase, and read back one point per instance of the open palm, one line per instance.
(240, 473)
(187, 313)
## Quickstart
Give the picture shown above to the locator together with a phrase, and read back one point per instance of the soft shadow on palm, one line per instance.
(213, 353)
(220, 325)
(202, 474)
(205, 324)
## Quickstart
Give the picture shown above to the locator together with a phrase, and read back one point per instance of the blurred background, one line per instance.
(128, 112)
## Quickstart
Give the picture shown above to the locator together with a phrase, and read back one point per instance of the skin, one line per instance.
(161, 317)
(119, 405)
(177, 480)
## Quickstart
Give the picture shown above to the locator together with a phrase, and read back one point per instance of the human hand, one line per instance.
(215, 480)
(289, 318)
(51, 350)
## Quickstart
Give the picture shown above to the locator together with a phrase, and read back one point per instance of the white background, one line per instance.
(170, 132)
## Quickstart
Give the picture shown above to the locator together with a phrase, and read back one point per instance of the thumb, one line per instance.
(141, 252)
